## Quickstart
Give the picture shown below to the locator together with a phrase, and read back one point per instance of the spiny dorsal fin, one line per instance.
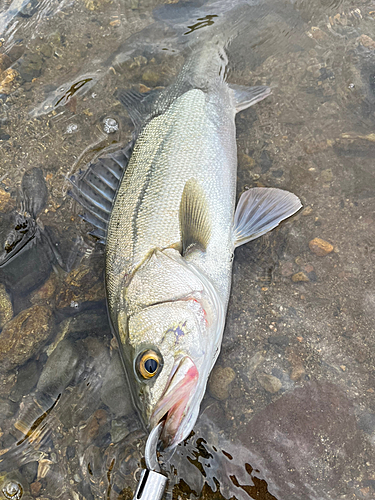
(260, 210)
(140, 106)
(194, 217)
(245, 97)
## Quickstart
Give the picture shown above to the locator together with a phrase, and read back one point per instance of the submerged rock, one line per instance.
(269, 382)
(59, 369)
(34, 191)
(114, 391)
(219, 382)
(24, 335)
(320, 247)
(6, 308)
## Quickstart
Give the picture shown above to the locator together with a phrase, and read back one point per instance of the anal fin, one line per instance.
(245, 97)
(261, 209)
(194, 217)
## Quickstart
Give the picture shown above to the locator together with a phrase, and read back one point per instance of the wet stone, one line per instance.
(269, 382)
(5, 62)
(95, 427)
(219, 382)
(45, 293)
(6, 308)
(7, 203)
(367, 423)
(114, 392)
(26, 379)
(29, 471)
(24, 335)
(35, 488)
(119, 430)
(9, 81)
(278, 340)
(300, 277)
(81, 285)
(59, 369)
(320, 247)
(7, 409)
(31, 66)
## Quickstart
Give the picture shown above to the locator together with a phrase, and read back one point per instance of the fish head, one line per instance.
(171, 354)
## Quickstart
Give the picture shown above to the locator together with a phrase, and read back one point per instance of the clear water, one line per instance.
(67, 429)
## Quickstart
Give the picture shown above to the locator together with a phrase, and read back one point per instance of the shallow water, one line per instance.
(297, 420)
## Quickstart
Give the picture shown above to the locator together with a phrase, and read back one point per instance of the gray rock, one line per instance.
(59, 369)
(6, 308)
(31, 66)
(119, 430)
(7, 409)
(26, 379)
(115, 392)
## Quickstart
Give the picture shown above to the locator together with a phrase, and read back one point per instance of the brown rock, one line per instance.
(269, 382)
(366, 41)
(9, 81)
(23, 336)
(45, 292)
(94, 424)
(6, 202)
(81, 285)
(5, 62)
(219, 382)
(300, 277)
(320, 247)
(35, 488)
(6, 308)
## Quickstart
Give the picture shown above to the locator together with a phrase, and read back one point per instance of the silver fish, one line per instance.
(172, 232)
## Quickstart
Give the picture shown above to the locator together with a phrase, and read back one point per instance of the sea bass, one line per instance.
(171, 233)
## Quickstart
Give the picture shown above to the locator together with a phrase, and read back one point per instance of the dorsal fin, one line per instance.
(140, 106)
(96, 188)
(195, 222)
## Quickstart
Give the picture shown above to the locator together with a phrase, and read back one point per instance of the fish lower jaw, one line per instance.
(173, 405)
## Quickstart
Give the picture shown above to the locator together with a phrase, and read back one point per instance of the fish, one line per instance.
(165, 208)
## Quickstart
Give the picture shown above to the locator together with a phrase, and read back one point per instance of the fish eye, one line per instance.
(149, 364)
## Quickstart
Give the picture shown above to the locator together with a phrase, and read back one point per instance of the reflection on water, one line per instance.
(290, 407)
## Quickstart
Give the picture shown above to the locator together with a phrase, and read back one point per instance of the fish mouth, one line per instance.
(173, 406)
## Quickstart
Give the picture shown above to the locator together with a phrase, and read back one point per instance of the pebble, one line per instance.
(6, 308)
(300, 277)
(24, 335)
(253, 364)
(320, 247)
(59, 369)
(110, 125)
(31, 66)
(9, 81)
(219, 382)
(366, 41)
(297, 372)
(119, 430)
(246, 161)
(114, 392)
(326, 175)
(7, 203)
(35, 488)
(5, 62)
(95, 427)
(150, 77)
(269, 382)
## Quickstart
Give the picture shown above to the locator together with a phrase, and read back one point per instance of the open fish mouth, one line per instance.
(173, 406)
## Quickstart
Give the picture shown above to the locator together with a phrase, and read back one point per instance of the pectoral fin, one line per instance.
(260, 210)
(194, 217)
(247, 96)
